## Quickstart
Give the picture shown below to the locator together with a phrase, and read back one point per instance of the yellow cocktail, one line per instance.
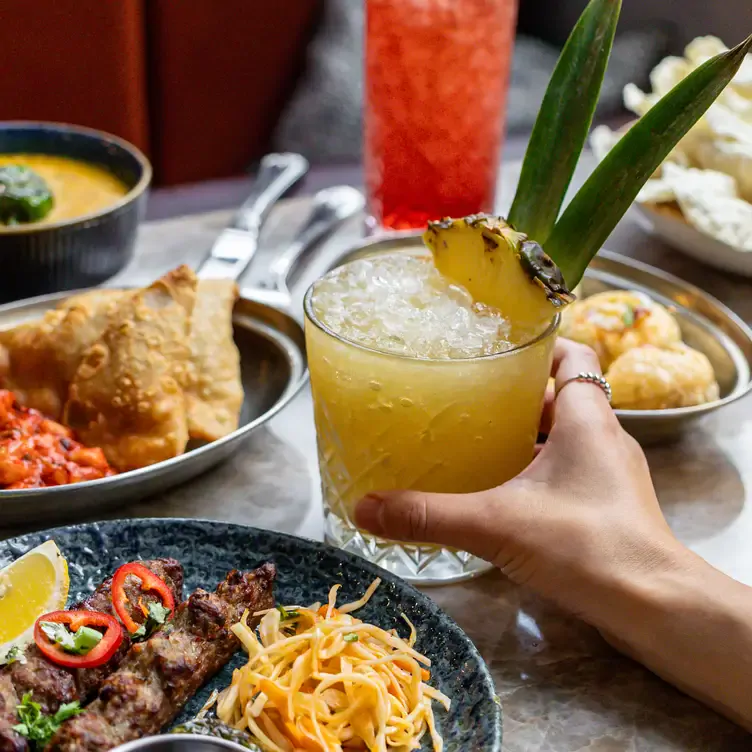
(416, 386)
(422, 384)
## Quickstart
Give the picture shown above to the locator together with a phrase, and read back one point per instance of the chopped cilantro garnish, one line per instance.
(38, 727)
(629, 316)
(156, 616)
(14, 655)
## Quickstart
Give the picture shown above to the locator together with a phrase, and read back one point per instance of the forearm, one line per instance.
(691, 625)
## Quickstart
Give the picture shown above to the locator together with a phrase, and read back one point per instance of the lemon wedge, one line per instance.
(33, 585)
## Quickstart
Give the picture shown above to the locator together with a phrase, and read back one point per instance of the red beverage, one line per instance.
(436, 82)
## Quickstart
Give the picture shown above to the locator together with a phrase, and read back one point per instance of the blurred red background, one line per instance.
(198, 85)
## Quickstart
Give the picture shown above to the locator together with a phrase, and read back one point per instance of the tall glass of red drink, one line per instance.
(436, 82)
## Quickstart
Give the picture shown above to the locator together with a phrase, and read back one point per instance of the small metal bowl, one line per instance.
(706, 324)
(180, 743)
(82, 252)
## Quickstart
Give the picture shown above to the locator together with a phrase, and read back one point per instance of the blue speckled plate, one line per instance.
(306, 571)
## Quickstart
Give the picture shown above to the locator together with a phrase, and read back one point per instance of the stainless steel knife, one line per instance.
(235, 248)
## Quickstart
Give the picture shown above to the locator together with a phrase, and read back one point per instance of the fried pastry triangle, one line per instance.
(39, 359)
(214, 393)
(127, 396)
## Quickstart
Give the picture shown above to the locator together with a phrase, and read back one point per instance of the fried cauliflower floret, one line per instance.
(653, 378)
(616, 321)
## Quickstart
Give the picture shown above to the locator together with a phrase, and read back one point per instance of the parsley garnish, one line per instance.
(351, 637)
(628, 317)
(78, 643)
(285, 614)
(156, 616)
(14, 655)
(38, 727)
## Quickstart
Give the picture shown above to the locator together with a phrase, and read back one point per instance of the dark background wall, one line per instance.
(731, 20)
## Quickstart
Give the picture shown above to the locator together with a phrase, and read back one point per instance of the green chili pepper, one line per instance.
(24, 196)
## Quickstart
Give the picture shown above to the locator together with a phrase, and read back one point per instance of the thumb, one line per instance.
(463, 521)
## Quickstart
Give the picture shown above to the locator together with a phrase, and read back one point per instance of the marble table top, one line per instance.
(562, 688)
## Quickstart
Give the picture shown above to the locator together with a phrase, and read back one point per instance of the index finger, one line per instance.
(577, 398)
(568, 355)
(564, 350)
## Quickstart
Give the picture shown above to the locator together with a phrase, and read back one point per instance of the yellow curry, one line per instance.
(78, 188)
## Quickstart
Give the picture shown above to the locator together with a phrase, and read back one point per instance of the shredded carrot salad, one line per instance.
(320, 680)
(36, 452)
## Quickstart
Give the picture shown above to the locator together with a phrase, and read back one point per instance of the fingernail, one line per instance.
(368, 514)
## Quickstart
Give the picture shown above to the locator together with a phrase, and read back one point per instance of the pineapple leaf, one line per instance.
(564, 120)
(607, 194)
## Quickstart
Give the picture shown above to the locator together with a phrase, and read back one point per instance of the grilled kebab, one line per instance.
(52, 685)
(160, 675)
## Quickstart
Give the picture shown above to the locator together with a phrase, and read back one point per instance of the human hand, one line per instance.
(582, 526)
(582, 517)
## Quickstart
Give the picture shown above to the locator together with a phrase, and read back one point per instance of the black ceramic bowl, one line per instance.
(82, 252)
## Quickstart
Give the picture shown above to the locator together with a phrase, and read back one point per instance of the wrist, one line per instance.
(690, 624)
(671, 588)
(653, 581)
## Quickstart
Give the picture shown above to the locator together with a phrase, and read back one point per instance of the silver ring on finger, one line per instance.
(589, 377)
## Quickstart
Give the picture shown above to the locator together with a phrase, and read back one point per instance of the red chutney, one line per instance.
(36, 452)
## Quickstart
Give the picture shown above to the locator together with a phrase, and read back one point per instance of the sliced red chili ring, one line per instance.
(74, 620)
(150, 583)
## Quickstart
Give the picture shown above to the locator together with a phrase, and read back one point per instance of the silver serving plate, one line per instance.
(270, 340)
(180, 743)
(706, 324)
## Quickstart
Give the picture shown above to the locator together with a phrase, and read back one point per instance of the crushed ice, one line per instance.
(399, 303)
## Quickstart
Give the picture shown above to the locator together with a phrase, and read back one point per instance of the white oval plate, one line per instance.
(685, 238)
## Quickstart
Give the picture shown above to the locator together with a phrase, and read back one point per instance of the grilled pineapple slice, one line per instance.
(501, 268)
